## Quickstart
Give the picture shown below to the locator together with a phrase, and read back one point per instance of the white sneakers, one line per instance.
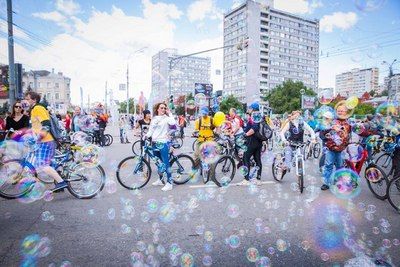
(244, 182)
(158, 182)
(167, 187)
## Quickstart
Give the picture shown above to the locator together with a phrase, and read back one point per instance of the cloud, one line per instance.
(338, 20)
(96, 50)
(56, 17)
(202, 9)
(68, 7)
(298, 6)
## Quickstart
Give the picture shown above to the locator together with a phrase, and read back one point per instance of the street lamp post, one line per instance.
(127, 77)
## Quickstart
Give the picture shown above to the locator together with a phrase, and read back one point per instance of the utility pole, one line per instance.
(127, 88)
(11, 66)
(81, 91)
(105, 98)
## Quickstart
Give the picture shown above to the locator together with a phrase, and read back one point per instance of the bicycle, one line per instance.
(278, 163)
(22, 176)
(134, 172)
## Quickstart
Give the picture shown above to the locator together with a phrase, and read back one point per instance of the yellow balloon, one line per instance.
(219, 118)
(352, 102)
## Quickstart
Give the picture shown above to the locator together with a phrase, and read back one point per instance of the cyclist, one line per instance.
(254, 145)
(204, 125)
(337, 139)
(159, 134)
(295, 128)
(41, 157)
(236, 131)
(144, 123)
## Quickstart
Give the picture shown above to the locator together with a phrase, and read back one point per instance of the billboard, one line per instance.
(203, 88)
(4, 84)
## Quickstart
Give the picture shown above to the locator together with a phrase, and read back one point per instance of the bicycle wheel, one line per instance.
(307, 151)
(194, 145)
(181, 168)
(137, 148)
(223, 171)
(377, 181)
(393, 193)
(277, 170)
(16, 178)
(385, 162)
(300, 177)
(85, 180)
(177, 142)
(109, 139)
(133, 172)
(317, 150)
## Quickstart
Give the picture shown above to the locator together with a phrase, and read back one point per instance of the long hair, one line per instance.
(13, 109)
(156, 106)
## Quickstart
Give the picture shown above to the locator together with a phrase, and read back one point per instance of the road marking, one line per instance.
(234, 184)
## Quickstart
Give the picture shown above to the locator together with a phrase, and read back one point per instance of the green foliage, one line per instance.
(364, 109)
(372, 93)
(384, 93)
(189, 97)
(180, 110)
(230, 102)
(287, 97)
(122, 106)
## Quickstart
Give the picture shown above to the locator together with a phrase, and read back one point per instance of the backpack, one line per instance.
(211, 122)
(265, 132)
(55, 128)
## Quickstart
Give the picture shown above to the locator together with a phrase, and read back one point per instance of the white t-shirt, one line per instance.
(159, 128)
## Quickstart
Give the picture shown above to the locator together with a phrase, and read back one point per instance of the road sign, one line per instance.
(203, 88)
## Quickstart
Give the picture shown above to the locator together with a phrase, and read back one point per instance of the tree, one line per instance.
(230, 102)
(287, 96)
(384, 93)
(189, 97)
(122, 106)
(364, 109)
(372, 93)
(180, 110)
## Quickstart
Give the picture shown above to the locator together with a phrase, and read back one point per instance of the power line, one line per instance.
(350, 52)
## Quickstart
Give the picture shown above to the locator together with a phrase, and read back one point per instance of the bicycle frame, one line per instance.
(299, 157)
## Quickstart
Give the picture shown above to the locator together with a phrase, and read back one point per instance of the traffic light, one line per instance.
(171, 102)
(171, 99)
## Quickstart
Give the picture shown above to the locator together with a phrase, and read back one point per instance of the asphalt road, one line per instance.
(200, 224)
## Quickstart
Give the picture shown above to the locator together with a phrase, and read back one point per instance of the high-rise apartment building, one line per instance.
(184, 73)
(54, 86)
(277, 46)
(357, 82)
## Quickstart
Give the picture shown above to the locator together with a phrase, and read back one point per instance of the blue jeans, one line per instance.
(162, 152)
(331, 158)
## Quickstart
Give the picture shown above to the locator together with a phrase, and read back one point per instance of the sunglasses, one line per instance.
(17, 107)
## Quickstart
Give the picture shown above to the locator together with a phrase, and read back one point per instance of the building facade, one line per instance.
(357, 82)
(274, 46)
(394, 89)
(183, 73)
(54, 86)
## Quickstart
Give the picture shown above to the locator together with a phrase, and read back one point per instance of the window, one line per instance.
(57, 85)
(48, 85)
(57, 96)
(40, 85)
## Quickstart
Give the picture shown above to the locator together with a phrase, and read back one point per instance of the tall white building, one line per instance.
(55, 86)
(278, 46)
(394, 84)
(184, 73)
(357, 82)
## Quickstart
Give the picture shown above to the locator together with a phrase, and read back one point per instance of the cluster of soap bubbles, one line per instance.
(34, 247)
(209, 151)
(346, 183)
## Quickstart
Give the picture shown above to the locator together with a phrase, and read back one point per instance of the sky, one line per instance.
(93, 41)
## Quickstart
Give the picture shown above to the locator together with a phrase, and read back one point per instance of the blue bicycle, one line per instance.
(134, 172)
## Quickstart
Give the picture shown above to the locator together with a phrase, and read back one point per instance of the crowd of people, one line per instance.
(333, 128)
